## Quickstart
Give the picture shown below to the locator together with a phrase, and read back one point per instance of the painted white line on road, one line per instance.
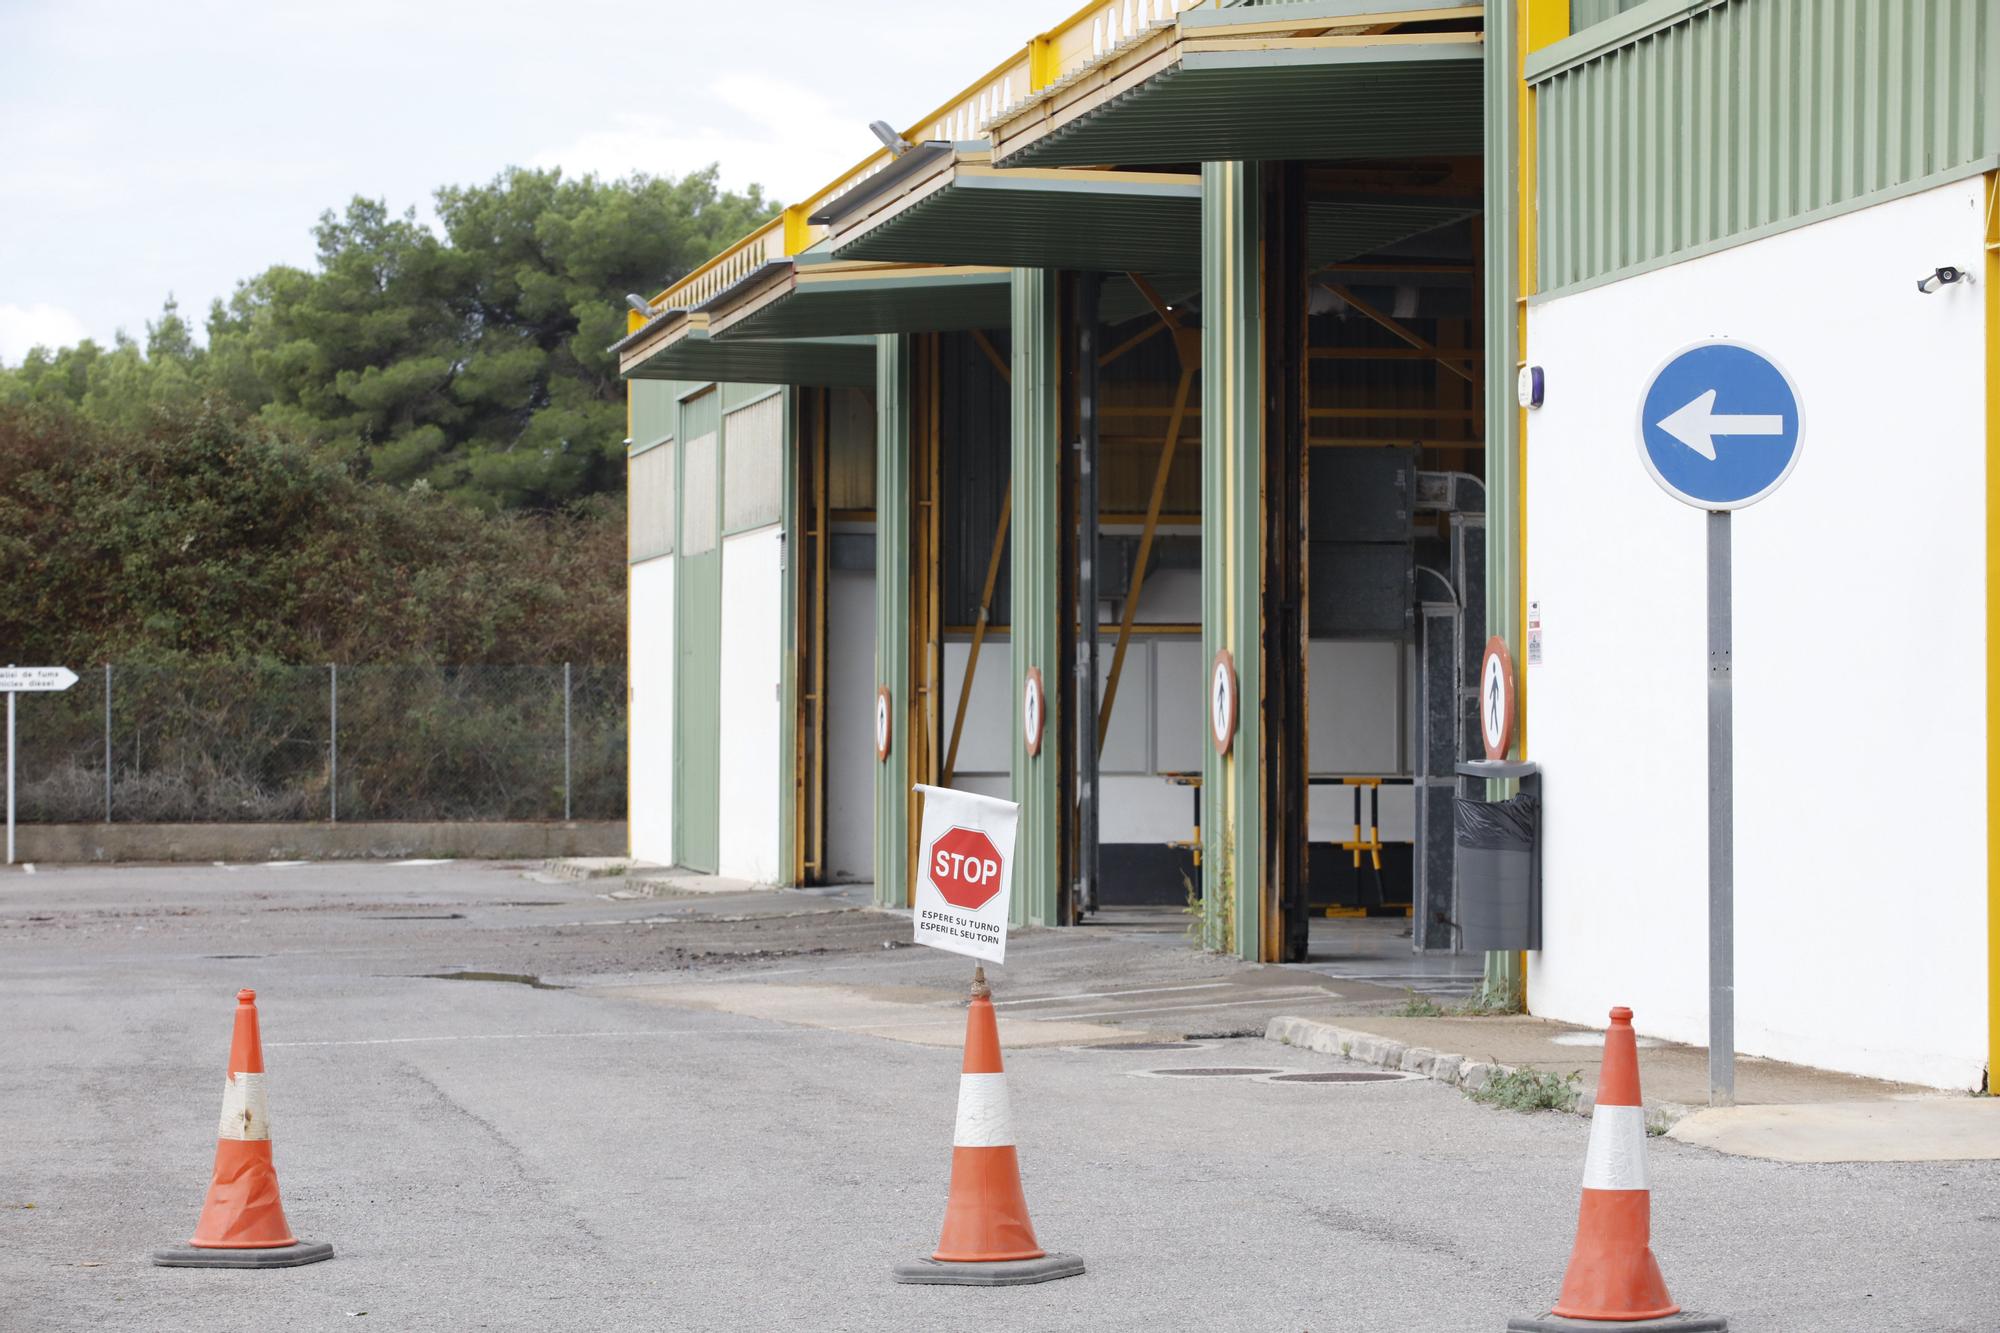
(1109, 994)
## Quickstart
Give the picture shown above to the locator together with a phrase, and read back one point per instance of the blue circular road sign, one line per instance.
(1719, 425)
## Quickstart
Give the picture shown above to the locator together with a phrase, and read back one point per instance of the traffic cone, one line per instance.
(1613, 1279)
(988, 1240)
(243, 1221)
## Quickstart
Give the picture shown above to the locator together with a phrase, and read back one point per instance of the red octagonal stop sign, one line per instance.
(965, 867)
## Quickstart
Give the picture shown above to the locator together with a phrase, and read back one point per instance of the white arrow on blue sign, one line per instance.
(1719, 426)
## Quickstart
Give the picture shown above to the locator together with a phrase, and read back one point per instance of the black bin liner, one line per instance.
(1496, 879)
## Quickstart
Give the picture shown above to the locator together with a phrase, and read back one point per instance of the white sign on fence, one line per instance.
(965, 872)
(36, 678)
(14, 679)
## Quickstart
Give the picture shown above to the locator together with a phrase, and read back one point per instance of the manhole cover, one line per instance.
(1342, 1076)
(1212, 1071)
(1143, 1046)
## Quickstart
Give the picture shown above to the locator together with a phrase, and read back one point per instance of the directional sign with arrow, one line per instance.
(1719, 426)
(36, 678)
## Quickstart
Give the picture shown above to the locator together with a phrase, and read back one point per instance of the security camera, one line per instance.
(639, 303)
(1944, 277)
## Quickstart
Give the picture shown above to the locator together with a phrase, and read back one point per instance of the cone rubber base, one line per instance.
(275, 1256)
(995, 1273)
(1678, 1323)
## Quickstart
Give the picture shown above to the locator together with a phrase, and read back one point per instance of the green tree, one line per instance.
(471, 360)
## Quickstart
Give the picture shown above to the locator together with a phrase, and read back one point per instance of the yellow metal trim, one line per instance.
(1992, 620)
(798, 235)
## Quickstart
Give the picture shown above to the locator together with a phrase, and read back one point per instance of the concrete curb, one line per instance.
(1457, 1071)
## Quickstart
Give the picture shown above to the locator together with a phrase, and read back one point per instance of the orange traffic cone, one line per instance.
(243, 1221)
(1613, 1279)
(988, 1240)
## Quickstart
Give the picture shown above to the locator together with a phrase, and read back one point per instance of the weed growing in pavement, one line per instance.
(1481, 1005)
(1215, 931)
(1530, 1090)
(1417, 1006)
(1487, 1004)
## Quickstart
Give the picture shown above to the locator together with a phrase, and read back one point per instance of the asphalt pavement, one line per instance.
(737, 1113)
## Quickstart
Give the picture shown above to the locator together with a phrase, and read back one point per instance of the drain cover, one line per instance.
(1143, 1046)
(1342, 1076)
(1212, 1071)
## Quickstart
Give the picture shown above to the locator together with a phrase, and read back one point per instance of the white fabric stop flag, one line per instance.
(965, 872)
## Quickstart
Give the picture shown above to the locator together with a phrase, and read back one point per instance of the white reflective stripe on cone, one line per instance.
(983, 1117)
(1617, 1159)
(245, 1114)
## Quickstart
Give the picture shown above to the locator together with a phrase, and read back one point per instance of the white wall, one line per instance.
(850, 726)
(752, 788)
(1859, 657)
(650, 715)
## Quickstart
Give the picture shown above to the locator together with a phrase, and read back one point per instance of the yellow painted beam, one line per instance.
(1992, 276)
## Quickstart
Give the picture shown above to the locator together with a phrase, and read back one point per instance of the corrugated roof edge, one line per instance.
(1601, 39)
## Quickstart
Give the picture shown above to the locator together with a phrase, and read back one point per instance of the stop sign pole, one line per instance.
(14, 680)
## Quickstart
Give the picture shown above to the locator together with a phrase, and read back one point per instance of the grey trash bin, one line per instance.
(1499, 862)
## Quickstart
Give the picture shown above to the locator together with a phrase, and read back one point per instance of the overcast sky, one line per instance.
(148, 148)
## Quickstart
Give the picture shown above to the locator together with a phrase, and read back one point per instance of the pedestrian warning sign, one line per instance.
(966, 872)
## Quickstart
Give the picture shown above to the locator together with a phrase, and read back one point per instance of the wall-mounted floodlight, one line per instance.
(894, 142)
(640, 304)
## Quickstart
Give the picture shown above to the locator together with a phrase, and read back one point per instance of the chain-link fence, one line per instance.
(239, 743)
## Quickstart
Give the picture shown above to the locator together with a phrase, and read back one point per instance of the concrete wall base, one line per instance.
(317, 841)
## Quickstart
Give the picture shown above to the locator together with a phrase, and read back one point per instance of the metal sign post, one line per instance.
(1721, 823)
(1719, 429)
(14, 680)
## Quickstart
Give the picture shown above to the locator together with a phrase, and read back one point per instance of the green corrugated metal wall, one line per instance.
(1232, 539)
(1037, 591)
(892, 610)
(1584, 13)
(1748, 117)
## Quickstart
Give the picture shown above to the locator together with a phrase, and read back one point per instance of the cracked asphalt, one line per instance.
(634, 1141)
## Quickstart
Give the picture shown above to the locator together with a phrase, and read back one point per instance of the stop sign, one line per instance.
(965, 868)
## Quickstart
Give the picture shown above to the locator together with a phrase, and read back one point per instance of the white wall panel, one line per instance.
(1356, 689)
(1180, 705)
(987, 743)
(751, 778)
(1860, 656)
(650, 714)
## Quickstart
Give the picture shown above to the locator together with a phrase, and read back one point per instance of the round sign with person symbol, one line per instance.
(1496, 698)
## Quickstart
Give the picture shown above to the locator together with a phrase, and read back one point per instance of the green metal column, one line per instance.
(1231, 547)
(1036, 633)
(789, 831)
(892, 612)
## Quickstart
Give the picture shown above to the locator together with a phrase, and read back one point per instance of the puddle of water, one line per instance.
(1341, 1076)
(1212, 1071)
(517, 978)
(448, 916)
(1595, 1039)
(1141, 1046)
